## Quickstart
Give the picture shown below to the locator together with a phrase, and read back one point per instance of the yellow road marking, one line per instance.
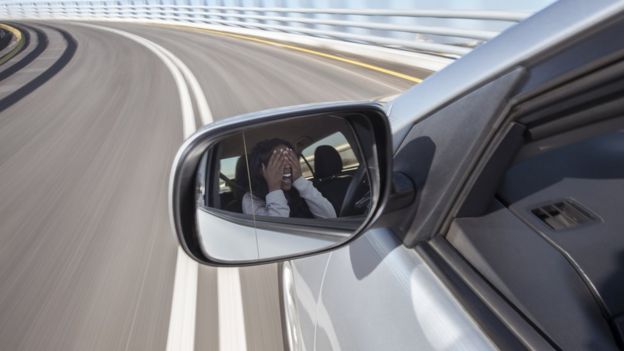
(20, 42)
(300, 49)
(15, 31)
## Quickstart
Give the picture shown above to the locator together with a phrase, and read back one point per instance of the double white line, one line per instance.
(181, 336)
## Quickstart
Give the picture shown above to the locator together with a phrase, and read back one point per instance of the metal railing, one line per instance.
(381, 27)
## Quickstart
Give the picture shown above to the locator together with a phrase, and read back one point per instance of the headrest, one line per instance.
(327, 162)
(240, 176)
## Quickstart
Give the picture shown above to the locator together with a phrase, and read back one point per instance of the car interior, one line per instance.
(328, 154)
(543, 222)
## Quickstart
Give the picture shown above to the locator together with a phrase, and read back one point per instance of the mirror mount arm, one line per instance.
(403, 192)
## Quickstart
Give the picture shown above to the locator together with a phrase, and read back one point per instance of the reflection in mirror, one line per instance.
(282, 188)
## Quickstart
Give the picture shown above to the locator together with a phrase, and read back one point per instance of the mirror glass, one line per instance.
(283, 188)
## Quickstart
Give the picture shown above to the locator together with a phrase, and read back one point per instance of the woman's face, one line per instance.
(287, 171)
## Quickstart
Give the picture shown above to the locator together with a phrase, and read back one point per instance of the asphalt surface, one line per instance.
(89, 124)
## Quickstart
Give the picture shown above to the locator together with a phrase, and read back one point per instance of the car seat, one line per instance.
(329, 179)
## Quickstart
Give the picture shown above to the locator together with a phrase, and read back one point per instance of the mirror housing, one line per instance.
(364, 118)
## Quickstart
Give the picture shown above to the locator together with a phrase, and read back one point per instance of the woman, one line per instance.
(277, 187)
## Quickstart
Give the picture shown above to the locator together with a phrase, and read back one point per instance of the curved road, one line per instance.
(89, 124)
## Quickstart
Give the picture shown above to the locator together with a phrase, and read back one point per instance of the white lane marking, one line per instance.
(181, 336)
(232, 335)
(188, 121)
(198, 93)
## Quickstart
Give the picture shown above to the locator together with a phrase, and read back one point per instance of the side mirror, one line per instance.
(281, 184)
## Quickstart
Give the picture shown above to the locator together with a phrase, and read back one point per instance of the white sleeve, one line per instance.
(318, 204)
(275, 205)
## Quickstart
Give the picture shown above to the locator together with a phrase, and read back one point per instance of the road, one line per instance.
(89, 125)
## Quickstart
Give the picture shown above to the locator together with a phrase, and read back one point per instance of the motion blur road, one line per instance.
(89, 124)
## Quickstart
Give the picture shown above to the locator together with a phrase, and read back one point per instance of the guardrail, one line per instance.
(382, 27)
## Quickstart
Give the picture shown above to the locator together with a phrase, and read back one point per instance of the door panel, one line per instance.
(379, 295)
(308, 279)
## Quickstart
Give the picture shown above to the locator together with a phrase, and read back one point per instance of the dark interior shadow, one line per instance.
(29, 87)
(612, 292)
(596, 158)
(42, 44)
(415, 160)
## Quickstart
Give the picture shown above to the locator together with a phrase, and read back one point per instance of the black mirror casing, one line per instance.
(368, 120)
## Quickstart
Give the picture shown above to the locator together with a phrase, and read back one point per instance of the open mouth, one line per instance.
(286, 177)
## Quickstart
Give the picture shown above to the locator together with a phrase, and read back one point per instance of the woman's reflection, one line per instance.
(278, 188)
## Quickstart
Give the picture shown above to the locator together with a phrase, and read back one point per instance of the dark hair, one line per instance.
(260, 154)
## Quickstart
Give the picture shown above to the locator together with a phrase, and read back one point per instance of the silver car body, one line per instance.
(376, 294)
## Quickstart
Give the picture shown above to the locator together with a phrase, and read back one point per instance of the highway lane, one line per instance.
(86, 254)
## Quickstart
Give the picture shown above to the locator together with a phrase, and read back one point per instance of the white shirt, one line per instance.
(276, 205)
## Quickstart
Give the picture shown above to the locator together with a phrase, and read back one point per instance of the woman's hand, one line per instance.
(273, 171)
(293, 160)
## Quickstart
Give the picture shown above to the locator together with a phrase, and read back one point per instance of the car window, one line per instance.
(241, 172)
(227, 167)
(337, 141)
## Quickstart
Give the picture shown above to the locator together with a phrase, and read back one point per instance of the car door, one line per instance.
(395, 294)
(382, 291)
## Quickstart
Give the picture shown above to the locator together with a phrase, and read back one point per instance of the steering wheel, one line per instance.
(357, 195)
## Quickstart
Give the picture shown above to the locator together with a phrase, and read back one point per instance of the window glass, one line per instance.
(258, 188)
(255, 172)
(337, 141)
(228, 169)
